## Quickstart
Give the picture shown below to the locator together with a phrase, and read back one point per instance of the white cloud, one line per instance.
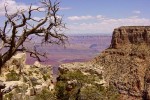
(100, 17)
(136, 12)
(13, 6)
(73, 18)
(107, 25)
(65, 8)
(41, 18)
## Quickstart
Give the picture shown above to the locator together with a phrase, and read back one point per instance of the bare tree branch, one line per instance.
(20, 26)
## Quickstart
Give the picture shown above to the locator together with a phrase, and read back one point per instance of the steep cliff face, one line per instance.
(130, 35)
(126, 62)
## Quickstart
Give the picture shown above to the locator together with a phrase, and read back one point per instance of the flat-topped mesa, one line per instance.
(127, 35)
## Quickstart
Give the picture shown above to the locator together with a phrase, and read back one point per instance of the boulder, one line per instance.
(10, 86)
(51, 87)
(2, 85)
(30, 92)
(38, 89)
(16, 62)
(19, 58)
(74, 82)
(37, 64)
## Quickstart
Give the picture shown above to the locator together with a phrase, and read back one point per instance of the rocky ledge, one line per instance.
(26, 82)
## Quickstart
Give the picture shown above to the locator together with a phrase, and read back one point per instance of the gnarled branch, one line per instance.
(21, 25)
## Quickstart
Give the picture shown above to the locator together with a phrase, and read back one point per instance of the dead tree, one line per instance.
(20, 26)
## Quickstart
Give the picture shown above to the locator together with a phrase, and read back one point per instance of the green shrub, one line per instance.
(46, 77)
(90, 93)
(21, 89)
(30, 73)
(85, 88)
(8, 96)
(12, 76)
(61, 92)
(45, 95)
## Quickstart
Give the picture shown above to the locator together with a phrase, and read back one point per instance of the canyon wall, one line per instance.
(126, 62)
(126, 35)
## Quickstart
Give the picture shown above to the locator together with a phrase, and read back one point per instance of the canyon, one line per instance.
(78, 48)
(120, 72)
(124, 64)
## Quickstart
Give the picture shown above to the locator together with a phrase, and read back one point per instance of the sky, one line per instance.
(92, 16)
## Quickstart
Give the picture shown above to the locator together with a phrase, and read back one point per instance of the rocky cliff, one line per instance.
(124, 65)
(126, 62)
(127, 35)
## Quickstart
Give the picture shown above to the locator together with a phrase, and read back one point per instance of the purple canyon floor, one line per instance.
(78, 49)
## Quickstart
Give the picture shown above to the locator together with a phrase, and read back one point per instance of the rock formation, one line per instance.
(25, 81)
(130, 35)
(126, 62)
(124, 65)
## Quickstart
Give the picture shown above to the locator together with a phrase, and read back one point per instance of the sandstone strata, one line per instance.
(126, 62)
(130, 35)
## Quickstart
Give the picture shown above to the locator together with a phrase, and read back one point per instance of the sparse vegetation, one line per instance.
(21, 89)
(8, 96)
(30, 73)
(34, 81)
(24, 78)
(46, 76)
(12, 76)
(45, 95)
(84, 89)
(78, 75)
